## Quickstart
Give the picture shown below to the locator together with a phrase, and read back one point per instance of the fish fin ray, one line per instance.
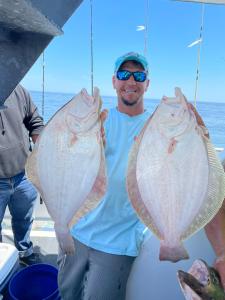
(215, 193)
(175, 253)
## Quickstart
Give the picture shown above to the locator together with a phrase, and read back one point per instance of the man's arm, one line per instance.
(34, 138)
(33, 121)
(215, 231)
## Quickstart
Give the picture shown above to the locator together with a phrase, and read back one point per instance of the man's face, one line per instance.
(130, 92)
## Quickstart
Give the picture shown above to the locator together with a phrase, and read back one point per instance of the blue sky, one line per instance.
(172, 26)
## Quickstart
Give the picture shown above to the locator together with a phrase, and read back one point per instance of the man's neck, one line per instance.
(130, 112)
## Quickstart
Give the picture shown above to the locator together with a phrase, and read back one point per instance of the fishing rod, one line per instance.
(91, 42)
(199, 54)
(43, 85)
(146, 29)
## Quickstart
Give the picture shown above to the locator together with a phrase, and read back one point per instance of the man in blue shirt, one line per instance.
(108, 239)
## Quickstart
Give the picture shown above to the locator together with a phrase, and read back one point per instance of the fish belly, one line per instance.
(67, 173)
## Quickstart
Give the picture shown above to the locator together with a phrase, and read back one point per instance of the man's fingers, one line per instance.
(192, 107)
(103, 115)
(220, 267)
(198, 117)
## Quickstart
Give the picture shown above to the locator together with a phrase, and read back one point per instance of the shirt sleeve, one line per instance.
(33, 121)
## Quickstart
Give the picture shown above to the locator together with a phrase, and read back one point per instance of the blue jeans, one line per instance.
(20, 195)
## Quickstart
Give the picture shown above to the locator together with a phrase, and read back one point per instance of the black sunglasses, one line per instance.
(125, 75)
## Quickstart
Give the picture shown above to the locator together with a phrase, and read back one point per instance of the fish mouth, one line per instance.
(81, 124)
(200, 270)
(91, 100)
(92, 104)
(88, 99)
(190, 280)
(194, 284)
(84, 118)
(203, 280)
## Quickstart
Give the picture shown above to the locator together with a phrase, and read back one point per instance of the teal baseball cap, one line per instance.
(131, 56)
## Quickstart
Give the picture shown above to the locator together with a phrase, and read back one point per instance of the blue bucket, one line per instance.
(36, 282)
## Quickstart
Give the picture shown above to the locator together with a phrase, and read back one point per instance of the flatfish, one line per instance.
(201, 282)
(67, 164)
(175, 181)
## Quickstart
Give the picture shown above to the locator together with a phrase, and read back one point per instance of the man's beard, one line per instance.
(127, 103)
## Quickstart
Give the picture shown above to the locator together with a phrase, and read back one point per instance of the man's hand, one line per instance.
(219, 265)
(198, 118)
(34, 137)
(103, 116)
(215, 231)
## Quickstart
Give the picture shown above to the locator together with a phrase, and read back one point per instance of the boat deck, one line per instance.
(149, 278)
(42, 234)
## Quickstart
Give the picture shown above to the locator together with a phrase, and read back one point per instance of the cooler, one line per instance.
(9, 263)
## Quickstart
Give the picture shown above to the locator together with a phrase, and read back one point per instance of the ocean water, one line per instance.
(213, 114)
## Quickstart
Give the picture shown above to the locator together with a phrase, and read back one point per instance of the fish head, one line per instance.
(215, 285)
(84, 111)
(201, 280)
(207, 275)
(174, 115)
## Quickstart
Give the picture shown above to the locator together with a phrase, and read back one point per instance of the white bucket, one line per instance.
(8, 263)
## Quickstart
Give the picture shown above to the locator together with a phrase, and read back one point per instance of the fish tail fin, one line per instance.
(65, 239)
(172, 253)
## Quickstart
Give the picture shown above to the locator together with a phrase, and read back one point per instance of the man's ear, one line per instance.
(147, 84)
(114, 81)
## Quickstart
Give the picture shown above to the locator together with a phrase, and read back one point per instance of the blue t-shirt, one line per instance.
(113, 226)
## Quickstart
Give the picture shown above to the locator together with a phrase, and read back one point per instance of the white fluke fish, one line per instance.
(67, 164)
(175, 181)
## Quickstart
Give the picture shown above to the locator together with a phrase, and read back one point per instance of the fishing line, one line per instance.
(91, 41)
(146, 29)
(199, 54)
(43, 85)
(43, 95)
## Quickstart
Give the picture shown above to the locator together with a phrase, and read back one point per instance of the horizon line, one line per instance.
(158, 99)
